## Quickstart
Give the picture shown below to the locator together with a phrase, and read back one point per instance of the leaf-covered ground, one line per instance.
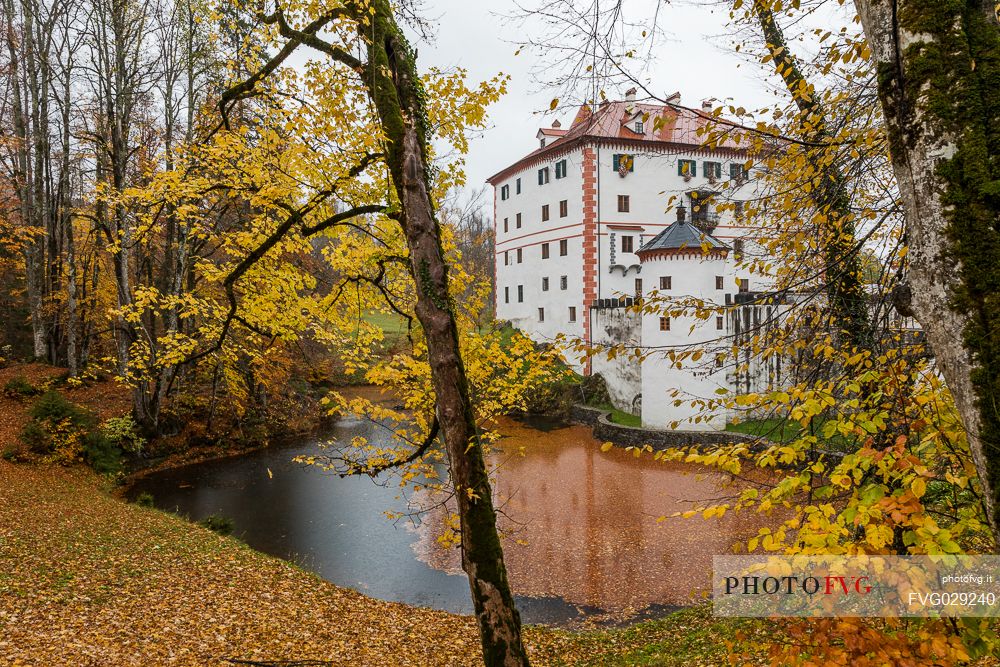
(87, 579)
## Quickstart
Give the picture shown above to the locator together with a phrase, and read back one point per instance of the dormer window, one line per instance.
(638, 127)
(541, 142)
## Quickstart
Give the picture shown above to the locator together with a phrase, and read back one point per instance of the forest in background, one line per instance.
(110, 109)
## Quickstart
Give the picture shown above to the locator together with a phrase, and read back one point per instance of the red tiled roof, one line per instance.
(679, 127)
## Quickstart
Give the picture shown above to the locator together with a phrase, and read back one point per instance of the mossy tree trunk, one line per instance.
(939, 83)
(848, 308)
(390, 74)
(398, 95)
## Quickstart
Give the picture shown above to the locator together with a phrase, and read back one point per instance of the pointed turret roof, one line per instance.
(682, 234)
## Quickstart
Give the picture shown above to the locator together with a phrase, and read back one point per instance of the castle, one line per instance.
(623, 205)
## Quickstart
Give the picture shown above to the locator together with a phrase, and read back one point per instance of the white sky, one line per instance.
(696, 59)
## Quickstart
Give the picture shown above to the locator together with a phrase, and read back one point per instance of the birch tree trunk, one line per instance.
(939, 83)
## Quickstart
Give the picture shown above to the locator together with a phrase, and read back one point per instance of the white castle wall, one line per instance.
(649, 187)
(690, 276)
(623, 374)
(556, 300)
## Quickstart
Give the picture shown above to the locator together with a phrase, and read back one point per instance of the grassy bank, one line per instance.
(88, 579)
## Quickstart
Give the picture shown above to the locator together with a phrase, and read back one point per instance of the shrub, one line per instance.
(100, 453)
(54, 407)
(19, 387)
(36, 438)
(124, 432)
(218, 524)
(63, 432)
(14, 453)
(145, 499)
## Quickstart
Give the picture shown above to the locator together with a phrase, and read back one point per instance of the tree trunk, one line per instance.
(938, 72)
(396, 91)
(848, 310)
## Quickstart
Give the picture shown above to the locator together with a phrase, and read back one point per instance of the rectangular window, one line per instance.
(744, 285)
(517, 186)
(545, 212)
(627, 244)
(738, 249)
(543, 175)
(638, 286)
(622, 163)
(506, 225)
(506, 294)
(638, 127)
(623, 203)
(665, 282)
(563, 208)
(737, 172)
(506, 257)
(718, 323)
(520, 256)
(720, 282)
(520, 293)
(563, 248)
(562, 282)
(545, 284)
(713, 170)
(664, 324)
(572, 313)
(504, 192)
(518, 221)
(561, 169)
(687, 168)
(541, 314)
(545, 251)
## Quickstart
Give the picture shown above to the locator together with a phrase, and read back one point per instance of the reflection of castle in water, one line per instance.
(581, 524)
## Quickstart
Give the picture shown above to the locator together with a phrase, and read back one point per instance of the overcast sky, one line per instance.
(696, 58)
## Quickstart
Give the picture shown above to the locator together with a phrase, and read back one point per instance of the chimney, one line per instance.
(681, 213)
(630, 95)
(708, 104)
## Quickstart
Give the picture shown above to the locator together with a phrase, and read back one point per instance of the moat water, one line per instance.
(584, 536)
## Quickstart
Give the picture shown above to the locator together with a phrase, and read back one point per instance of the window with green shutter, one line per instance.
(622, 158)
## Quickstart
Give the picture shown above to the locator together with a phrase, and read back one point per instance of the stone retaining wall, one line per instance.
(625, 436)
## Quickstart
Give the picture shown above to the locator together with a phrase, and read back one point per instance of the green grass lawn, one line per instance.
(786, 430)
(779, 430)
(620, 416)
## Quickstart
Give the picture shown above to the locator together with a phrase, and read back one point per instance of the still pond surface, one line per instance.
(581, 539)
